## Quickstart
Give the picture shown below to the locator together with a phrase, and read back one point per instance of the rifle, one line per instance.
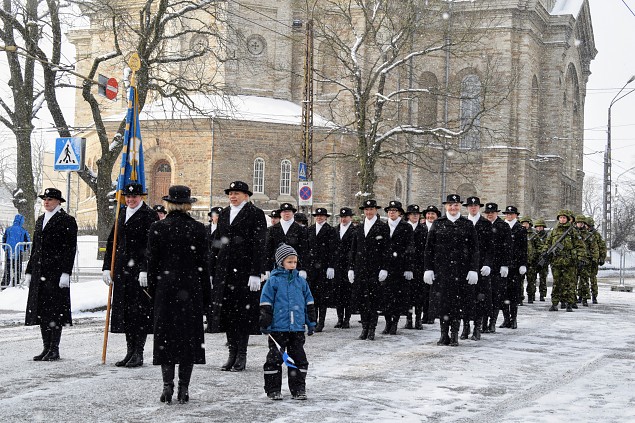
(555, 248)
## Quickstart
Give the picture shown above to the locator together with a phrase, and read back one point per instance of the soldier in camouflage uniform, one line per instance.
(533, 254)
(564, 261)
(584, 273)
(601, 256)
(541, 271)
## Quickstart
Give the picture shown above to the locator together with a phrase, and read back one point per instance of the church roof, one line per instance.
(239, 107)
(567, 7)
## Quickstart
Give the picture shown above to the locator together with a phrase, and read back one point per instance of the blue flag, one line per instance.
(285, 357)
(132, 168)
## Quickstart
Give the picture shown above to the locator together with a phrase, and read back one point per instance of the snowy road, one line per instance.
(556, 367)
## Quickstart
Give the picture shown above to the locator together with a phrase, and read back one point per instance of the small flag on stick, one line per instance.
(285, 357)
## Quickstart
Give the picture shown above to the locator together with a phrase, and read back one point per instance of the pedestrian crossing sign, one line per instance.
(69, 154)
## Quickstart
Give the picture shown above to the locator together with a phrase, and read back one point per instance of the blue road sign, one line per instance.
(302, 171)
(69, 154)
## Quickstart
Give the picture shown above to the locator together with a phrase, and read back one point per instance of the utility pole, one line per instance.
(307, 103)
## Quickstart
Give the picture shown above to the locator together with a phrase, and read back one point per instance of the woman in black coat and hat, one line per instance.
(179, 282)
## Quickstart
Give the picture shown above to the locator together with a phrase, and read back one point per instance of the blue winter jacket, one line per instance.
(15, 234)
(286, 302)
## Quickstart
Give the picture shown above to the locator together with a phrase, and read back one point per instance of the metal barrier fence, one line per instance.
(14, 267)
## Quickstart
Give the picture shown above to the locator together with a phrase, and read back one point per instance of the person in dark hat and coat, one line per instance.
(368, 261)
(501, 248)
(419, 291)
(237, 261)
(344, 233)
(451, 260)
(210, 229)
(321, 270)
(48, 273)
(290, 232)
(161, 212)
(517, 268)
(274, 215)
(179, 282)
(131, 304)
(431, 305)
(396, 292)
(482, 291)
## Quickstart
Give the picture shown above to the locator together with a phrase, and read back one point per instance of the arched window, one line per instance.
(259, 176)
(398, 189)
(427, 110)
(470, 109)
(285, 177)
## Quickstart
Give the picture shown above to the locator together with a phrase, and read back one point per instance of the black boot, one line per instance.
(340, 318)
(569, 307)
(137, 357)
(466, 329)
(346, 323)
(585, 302)
(321, 319)
(505, 323)
(492, 322)
(371, 333)
(185, 373)
(594, 300)
(388, 325)
(364, 333)
(574, 305)
(454, 333)
(418, 324)
(54, 351)
(513, 312)
(393, 326)
(241, 356)
(484, 325)
(129, 351)
(445, 338)
(233, 351)
(562, 305)
(46, 341)
(530, 299)
(554, 307)
(476, 335)
(408, 321)
(542, 298)
(167, 373)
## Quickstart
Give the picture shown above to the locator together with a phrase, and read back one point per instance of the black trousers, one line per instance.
(293, 344)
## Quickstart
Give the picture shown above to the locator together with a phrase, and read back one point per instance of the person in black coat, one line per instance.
(321, 271)
(131, 304)
(451, 260)
(517, 268)
(432, 295)
(344, 233)
(179, 282)
(396, 292)
(289, 232)
(237, 260)
(48, 273)
(419, 291)
(368, 261)
(501, 249)
(482, 291)
(210, 229)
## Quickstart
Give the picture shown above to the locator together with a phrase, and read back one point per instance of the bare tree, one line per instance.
(371, 53)
(623, 217)
(592, 198)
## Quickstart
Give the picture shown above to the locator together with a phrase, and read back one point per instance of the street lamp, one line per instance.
(606, 206)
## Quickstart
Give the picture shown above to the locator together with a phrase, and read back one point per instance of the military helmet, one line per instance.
(526, 219)
(580, 218)
(590, 221)
(571, 215)
(540, 222)
(563, 212)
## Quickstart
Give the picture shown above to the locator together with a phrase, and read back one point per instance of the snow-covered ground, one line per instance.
(555, 367)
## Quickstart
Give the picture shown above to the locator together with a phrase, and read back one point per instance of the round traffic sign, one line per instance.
(112, 88)
(305, 193)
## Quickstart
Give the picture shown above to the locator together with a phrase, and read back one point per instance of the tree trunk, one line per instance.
(25, 203)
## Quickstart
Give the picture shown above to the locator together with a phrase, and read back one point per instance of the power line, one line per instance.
(629, 9)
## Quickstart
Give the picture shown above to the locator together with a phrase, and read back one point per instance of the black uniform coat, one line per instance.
(518, 258)
(178, 280)
(342, 250)
(321, 257)
(483, 290)
(237, 254)
(419, 290)
(451, 252)
(396, 292)
(502, 249)
(297, 237)
(131, 306)
(368, 255)
(52, 253)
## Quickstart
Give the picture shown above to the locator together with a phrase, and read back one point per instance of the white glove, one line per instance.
(382, 275)
(211, 282)
(485, 270)
(254, 283)
(330, 273)
(143, 279)
(428, 277)
(504, 271)
(472, 277)
(302, 274)
(27, 280)
(408, 275)
(351, 276)
(267, 274)
(522, 270)
(106, 277)
(65, 280)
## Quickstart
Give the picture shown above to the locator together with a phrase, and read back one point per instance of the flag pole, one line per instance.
(135, 64)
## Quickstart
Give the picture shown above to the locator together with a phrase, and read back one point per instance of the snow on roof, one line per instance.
(240, 107)
(567, 7)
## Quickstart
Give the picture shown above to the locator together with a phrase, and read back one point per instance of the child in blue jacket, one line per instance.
(286, 305)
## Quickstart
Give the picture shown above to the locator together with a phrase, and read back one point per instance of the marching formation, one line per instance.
(168, 271)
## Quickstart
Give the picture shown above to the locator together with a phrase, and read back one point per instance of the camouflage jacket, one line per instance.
(574, 248)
